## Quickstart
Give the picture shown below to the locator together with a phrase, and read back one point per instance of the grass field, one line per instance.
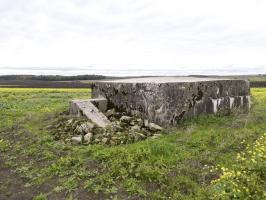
(208, 157)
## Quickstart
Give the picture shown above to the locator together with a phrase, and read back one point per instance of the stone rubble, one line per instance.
(76, 139)
(88, 137)
(154, 127)
(122, 129)
(125, 119)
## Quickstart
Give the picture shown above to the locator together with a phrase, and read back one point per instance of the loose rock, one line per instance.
(97, 140)
(125, 119)
(135, 128)
(139, 122)
(146, 123)
(76, 139)
(110, 113)
(105, 140)
(88, 137)
(70, 121)
(85, 127)
(142, 136)
(122, 130)
(155, 127)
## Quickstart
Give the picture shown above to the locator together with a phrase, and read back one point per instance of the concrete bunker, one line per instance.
(128, 110)
(167, 100)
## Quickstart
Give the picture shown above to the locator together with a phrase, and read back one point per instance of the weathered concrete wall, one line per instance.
(167, 100)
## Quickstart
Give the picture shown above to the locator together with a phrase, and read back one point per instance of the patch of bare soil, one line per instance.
(12, 186)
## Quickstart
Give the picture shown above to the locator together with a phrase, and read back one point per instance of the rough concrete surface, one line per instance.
(87, 108)
(167, 100)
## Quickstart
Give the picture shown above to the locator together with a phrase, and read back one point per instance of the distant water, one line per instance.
(113, 71)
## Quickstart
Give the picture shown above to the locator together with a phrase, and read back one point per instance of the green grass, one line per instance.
(178, 165)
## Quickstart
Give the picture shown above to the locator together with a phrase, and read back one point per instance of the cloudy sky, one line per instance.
(132, 36)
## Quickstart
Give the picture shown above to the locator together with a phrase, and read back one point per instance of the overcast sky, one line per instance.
(137, 36)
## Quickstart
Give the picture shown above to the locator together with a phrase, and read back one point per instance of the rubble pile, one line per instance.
(123, 129)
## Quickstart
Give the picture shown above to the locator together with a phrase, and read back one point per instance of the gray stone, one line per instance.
(76, 139)
(105, 140)
(100, 103)
(88, 137)
(97, 140)
(154, 127)
(141, 135)
(139, 122)
(115, 127)
(125, 119)
(135, 128)
(110, 112)
(118, 133)
(70, 121)
(146, 123)
(86, 108)
(98, 136)
(132, 123)
(85, 127)
(74, 124)
(107, 134)
(167, 100)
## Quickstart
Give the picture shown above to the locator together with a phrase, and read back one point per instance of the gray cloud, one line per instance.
(125, 35)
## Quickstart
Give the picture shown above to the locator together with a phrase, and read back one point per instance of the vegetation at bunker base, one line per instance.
(208, 157)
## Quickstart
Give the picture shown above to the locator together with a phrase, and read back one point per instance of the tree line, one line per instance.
(51, 77)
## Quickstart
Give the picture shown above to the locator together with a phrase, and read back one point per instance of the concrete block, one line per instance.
(100, 103)
(88, 109)
(167, 100)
